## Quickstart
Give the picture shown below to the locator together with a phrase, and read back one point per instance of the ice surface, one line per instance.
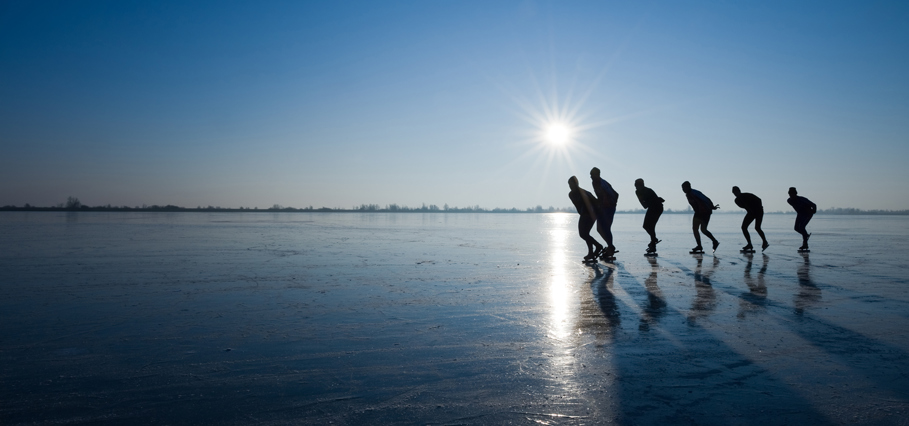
(299, 318)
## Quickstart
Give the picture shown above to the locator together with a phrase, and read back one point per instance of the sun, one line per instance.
(557, 133)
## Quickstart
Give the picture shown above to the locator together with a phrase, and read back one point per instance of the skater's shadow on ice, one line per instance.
(854, 349)
(697, 373)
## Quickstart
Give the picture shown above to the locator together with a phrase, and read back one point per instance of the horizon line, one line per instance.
(73, 205)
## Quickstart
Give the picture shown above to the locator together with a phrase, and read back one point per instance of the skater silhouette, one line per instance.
(804, 210)
(587, 207)
(703, 208)
(608, 199)
(754, 212)
(654, 205)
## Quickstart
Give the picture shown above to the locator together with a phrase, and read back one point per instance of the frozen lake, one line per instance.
(347, 318)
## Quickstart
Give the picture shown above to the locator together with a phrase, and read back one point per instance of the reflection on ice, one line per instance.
(756, 297)
(603, 284)
(809, 294)
(598, 315)
(656, 304)
(705, 296)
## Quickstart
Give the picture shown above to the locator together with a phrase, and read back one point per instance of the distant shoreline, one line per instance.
(476, 209)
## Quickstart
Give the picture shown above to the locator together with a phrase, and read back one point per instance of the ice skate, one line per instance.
(697, 250)
(747, 249)
(651, 250)
(592, 257)
(608, 254)
(764, 246)
(715, 245)
(804, 248)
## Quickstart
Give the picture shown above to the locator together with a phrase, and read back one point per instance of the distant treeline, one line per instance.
(847, 211)
(73, 204)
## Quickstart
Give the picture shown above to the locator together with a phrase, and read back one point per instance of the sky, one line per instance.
(337, 104)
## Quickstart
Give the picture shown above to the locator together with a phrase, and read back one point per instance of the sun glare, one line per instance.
(558, 133)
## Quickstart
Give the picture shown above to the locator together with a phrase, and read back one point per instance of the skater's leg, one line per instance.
(584, 227)
(589, 247)
(581, 225)
(807, 234)
(593, 247)
(606, 225)
(745, 223)
(695, 224)
(758, 219)
(657, 212)
(704, 222)
(600, 229)
(597, 246)
(648, 228)
(800, 222)
(604, 233)
(708, 234)
(650, 221)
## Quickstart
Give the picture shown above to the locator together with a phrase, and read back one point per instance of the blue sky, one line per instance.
(341, 103)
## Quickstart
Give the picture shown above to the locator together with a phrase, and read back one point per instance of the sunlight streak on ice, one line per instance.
(563, 309)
